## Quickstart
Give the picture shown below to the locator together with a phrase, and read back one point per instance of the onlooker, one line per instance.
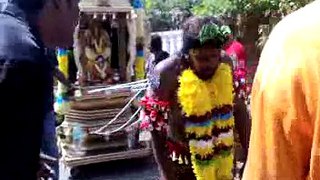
(26, 78)
(237, 51)
(156, 49)
(158, 54)
(49, 143)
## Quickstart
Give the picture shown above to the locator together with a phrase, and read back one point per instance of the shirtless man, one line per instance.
(192, 132)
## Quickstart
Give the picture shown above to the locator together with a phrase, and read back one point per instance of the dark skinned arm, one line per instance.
(165, 73)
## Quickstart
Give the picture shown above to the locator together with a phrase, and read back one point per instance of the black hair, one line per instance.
(29, 6)
(191, 33)
(156, 43)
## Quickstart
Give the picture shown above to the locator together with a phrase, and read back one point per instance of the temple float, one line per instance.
(100, 121)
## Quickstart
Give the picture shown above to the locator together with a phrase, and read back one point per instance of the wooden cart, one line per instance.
(102, 123)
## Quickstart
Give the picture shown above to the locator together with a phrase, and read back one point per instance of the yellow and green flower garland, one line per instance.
(62, 104)
(209, 122)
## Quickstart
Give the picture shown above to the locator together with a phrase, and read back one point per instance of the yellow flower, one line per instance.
(63, 64)
(196, 147)
(228, 141)
(139, 67)
(198, 97)
(205, 173)
(224, 123)
(200, 131)
(225, 167)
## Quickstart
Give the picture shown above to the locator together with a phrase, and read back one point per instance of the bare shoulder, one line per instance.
(167, 65)
(165, 74)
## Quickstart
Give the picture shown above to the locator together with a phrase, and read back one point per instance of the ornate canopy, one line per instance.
(105, 6)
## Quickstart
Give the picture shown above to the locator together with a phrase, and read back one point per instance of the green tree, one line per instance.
(216, 7)
(212, 7)
(167, 14)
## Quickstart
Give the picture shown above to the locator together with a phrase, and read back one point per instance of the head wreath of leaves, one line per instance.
(214, 32)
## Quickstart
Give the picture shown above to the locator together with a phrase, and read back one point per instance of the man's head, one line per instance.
(203, 39)
(55, 19)
(156, 44)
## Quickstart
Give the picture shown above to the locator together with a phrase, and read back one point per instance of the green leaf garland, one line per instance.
(214, 32)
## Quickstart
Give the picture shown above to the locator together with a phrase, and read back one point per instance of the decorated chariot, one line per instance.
(101, 121)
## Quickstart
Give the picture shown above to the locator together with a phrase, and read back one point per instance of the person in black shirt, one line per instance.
(26, 77)
(156, 49)
(49, 143)
(158, 54)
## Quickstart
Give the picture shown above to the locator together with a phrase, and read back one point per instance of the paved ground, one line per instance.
(136, 169)
(139, 169)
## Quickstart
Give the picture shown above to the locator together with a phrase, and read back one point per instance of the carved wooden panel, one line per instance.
(105, 3)
(123, 45)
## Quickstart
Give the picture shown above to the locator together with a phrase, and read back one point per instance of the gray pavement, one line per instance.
(135, 169)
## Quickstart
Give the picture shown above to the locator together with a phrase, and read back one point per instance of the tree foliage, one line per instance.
(210, 7)
(169, 14)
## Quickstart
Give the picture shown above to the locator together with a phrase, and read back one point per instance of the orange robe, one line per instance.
(285, 136)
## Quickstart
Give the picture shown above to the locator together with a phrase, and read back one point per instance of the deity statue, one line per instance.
(96, 55)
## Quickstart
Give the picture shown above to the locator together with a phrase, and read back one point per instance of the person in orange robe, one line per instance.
(285, 136)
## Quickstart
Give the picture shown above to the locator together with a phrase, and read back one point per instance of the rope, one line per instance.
(127, 85)
(119, 114)
(124, 125)
(137, 121)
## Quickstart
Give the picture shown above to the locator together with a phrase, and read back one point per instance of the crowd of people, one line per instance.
(190, 107)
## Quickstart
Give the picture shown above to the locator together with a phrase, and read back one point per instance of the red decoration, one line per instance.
(154, 114)
(178, 148)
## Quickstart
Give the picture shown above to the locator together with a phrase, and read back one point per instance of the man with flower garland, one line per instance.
(189, 106)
